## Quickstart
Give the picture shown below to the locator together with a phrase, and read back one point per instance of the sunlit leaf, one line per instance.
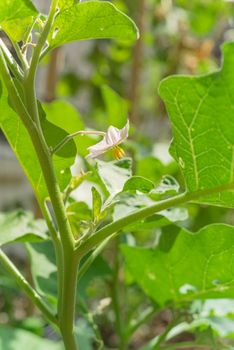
(16, 16)
(91, 20)
(200, 110)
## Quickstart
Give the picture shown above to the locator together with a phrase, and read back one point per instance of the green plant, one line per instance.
(200, 109)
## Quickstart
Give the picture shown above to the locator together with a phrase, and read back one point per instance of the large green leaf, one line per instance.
(91, 20)
(201, 113)
(185, 266)
(12, 339)
(21, 144)
(16, 16)
(21, 226)
(23, 148)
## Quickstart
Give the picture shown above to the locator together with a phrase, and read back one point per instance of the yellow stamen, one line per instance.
(118, 152)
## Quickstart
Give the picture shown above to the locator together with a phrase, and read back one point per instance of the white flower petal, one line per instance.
(124, 132)
(113, 137)
(98, 149)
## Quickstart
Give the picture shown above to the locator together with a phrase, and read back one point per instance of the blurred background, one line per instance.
(176, 37)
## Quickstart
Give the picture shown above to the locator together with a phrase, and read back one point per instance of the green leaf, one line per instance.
(21, 144)
(168, 186)
(80, 218)
(54, 134)
(97, 204)
(21, 226)
(116, 107)
(64, 4)
(16, 17)
(91, 20)
(138, 183)
(44, 270)
(185, 266)
(114, 174)
(200, 110)
(66, 117)
(12, 339)
(23, 148)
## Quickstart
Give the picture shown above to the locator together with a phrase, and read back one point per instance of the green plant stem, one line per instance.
(20, 56)
(83, 248)
(67, 260)
(115, 296)
(68, 307)
(164, 335)
(148, 313)
(27, 288)
(30, 117)
(72, 136)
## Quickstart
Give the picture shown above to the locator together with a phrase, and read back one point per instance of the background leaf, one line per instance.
(12, 339)
(65, 116)
(21, 226)
(185, 266)
(116, 107)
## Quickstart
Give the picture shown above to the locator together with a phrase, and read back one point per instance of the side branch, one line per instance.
(83, 248)
(28, 289)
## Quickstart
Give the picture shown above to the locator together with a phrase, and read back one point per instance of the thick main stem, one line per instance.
(68, 306)
(68, 279)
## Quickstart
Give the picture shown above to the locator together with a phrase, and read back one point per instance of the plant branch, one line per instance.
(83, 247)
(72, 136)
(28, 289)
(86, 265)
(145, 316)
(20, 56)
(42, 41)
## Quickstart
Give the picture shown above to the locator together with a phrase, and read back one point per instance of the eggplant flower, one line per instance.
(111, 141)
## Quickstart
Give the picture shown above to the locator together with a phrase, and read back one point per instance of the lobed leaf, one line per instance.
(185, 266)
(201, 114)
